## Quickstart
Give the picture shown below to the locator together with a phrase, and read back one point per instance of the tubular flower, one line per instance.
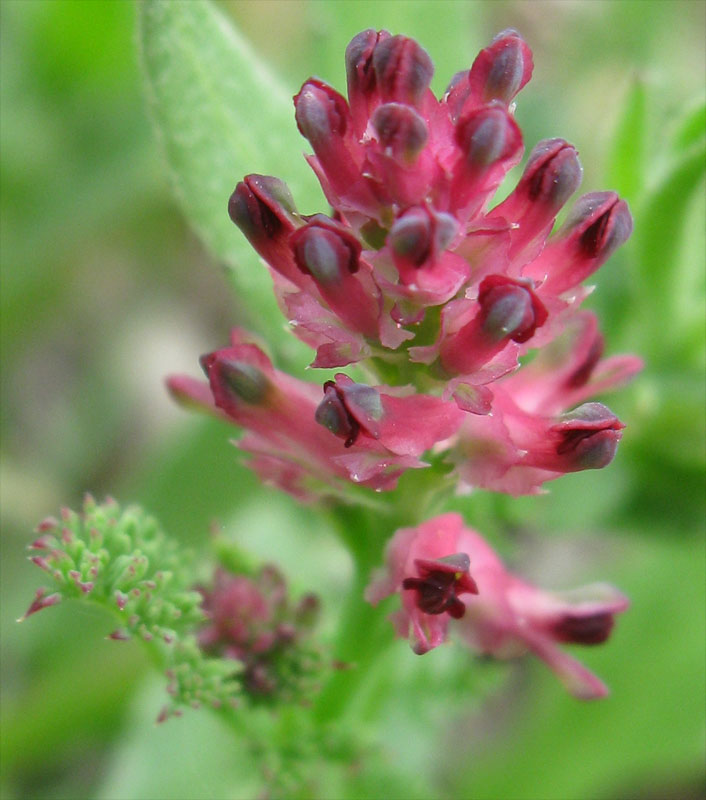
(500, 614)
(430, 290)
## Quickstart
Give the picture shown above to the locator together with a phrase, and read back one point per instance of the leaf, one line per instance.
(627, 162)
(692, 129)
(660, 231)
(220, 114)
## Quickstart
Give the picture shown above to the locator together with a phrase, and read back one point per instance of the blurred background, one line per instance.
(105, 290)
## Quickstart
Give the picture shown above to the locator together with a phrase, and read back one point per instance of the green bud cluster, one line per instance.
(120, 560)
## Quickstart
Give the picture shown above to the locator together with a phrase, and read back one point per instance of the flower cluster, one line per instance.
(508, 616)
(431, 293)
(252, 620)
(434, 298)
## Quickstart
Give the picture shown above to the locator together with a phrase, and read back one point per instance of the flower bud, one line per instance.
(509, 309)
(602, 223)
(262, 207)
(359, 62)
(320, 111)
(401, 131)
(598, 224)
(588, 436)
(486, 136)
(234, 380)
(419, 235)
(403, 70)
(553, 173)
(410, 237)
(501, 70)
(325, 250)
(348, 409)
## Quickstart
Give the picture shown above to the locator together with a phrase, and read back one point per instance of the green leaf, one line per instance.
(627, 161)
(220, 115)
(660, 232)
(692, 129)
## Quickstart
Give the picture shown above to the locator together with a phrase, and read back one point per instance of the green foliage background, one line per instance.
(105, 289)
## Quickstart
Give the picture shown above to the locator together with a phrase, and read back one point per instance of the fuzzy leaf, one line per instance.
(220, 114)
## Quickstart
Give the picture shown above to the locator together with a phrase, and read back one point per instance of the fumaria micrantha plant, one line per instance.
(462, 361)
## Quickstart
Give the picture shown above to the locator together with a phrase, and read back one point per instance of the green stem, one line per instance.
(364, 630)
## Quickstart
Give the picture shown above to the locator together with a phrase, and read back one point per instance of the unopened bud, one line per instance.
(403, 70)
(260, 205)
(601, 222)
(589, 436)
(410, 236)
(348, 409)
(501, 69)
(487, 135)
(507, 66)
(420, 233)
(320, 111)
(553, 173)
(401, 130)
(239, 378)
(325, 251)
(359, 61)
(510, 309)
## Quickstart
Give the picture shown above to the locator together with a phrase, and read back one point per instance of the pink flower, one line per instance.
(418, 278)
(500, 614)
(295, 432)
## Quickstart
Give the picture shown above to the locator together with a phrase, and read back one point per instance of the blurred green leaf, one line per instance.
(626, 167)
(220, 114)
(692, 128)
(659, 236)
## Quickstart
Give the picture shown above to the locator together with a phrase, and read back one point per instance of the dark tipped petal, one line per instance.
(401, 130)
(584, 629)
(553, 173)
(509, 309)
(320, 111)
(502, 69)
(403, 70)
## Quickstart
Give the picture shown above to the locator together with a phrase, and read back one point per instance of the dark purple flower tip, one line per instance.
(455, 81)
(359, 61)
(580, 628)
(440, 582)
(553, 173)
(509, 57)
(233, 380)
(410, 236)
(326, 250)
(419, 234)
(589, 436)
(487, 135)
(501, 69)
(335, 417)
(403, 69)
(400, 130)
(510, 309)
(320, 111)
(599, 222)
(262, 207)
(349, 409)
